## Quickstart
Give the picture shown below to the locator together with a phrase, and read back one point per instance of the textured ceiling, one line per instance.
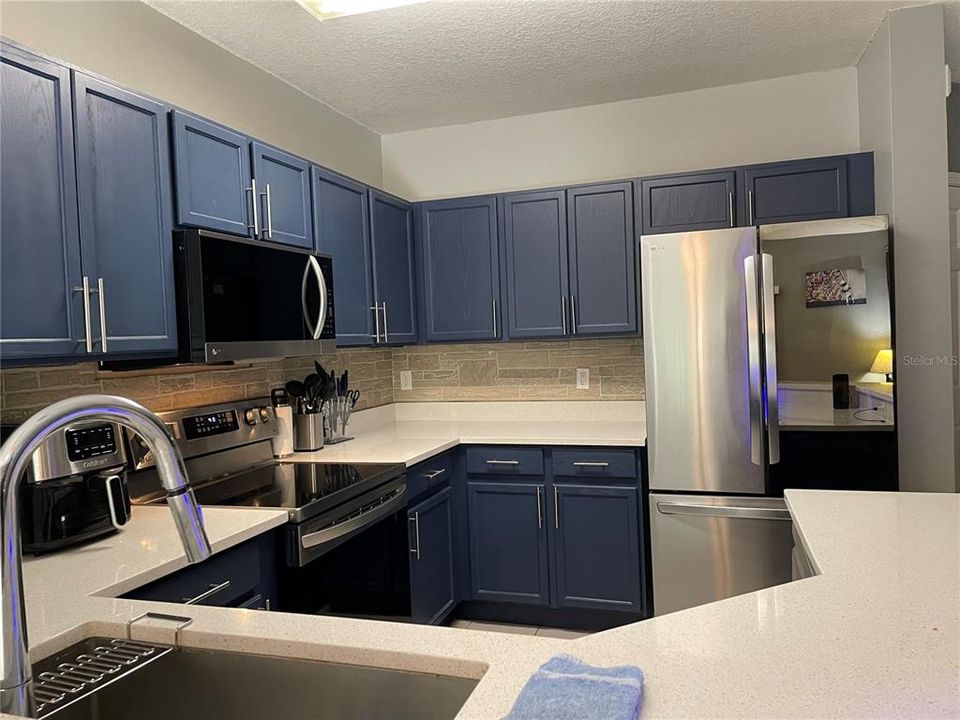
(455, 61)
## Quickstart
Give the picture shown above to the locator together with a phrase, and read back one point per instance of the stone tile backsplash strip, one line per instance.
(543, 370)
(480, 371)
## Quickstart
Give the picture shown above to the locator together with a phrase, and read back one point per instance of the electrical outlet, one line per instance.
(406, 380)
(583, 378)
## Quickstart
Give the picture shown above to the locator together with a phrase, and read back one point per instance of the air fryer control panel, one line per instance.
(92, 441)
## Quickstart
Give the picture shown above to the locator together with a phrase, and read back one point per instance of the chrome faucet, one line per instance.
(15, 693)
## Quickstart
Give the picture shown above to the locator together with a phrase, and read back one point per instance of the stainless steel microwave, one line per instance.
(242, 299)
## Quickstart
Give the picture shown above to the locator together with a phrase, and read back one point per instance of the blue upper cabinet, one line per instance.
(41, 312)
(694, 201)
(126, 217)
(342, 229)
(508, 542)
(459, 269)
(534, 232)
(603, 269)
(815, 189)
(212, 169)
(432, 589)
(391, 234)
(283, 186)
(597, 547)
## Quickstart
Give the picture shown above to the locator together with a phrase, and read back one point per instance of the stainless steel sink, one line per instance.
(143, 681)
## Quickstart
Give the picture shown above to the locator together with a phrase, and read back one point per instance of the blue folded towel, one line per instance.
(564, 688)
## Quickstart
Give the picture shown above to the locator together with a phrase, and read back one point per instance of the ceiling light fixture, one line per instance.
(327, 9)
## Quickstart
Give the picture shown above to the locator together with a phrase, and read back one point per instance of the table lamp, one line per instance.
(883, 363)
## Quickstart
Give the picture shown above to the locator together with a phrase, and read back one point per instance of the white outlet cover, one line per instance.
(583, 378)
(406, 380)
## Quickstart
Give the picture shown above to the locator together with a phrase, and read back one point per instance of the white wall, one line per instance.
(903, 120)
(138, 47)
(798, 116)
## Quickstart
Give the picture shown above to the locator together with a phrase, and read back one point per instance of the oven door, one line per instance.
(245, 299)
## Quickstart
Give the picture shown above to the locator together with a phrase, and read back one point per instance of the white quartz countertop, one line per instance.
(874, 635)
(410, 432)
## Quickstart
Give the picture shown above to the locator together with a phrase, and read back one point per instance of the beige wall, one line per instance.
(138, 47)
(798, 116)
(903, 120)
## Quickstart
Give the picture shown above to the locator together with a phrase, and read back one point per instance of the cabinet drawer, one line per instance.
(592, 462)
(237, 572)
(429, 474)
(504, 460)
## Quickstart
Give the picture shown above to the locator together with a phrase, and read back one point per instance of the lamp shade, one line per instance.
(883, 363)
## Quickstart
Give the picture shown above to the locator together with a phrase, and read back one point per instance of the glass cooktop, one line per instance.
(308, 488)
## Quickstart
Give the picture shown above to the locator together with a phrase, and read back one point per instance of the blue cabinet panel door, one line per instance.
(508, 542)
(432, 592)
(41, 315)
(460, 274)
(283, 186)
(126, 216)
(597, 547)
(342, 229)
(797, 190)
(535, 248)
(603, 270)
(212, 169)
(696, 201)
(391, 233)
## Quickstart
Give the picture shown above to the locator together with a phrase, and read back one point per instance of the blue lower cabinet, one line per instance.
(508, 542)
(597, 547)
(41, 313)
(126, 217)
(432, 579)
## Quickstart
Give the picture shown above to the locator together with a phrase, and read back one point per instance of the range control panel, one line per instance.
(88, 442)
(217, 423)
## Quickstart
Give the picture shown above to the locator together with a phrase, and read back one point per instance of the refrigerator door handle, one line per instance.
(755, 392)
(730, 511)
(770, 358)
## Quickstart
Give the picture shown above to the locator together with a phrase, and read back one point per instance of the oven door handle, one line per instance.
(315, 329)
(354, 524)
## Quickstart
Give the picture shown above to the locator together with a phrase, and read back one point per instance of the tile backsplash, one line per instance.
(543, 370)
(479, 371)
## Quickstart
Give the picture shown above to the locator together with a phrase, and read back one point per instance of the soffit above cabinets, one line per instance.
(445, 62)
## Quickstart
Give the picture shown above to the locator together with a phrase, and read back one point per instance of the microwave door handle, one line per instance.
(315, 328)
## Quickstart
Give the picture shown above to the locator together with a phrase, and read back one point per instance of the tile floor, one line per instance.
(519, 629)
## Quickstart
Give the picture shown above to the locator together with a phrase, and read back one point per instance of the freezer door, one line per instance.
(706, 548)
(702, 374)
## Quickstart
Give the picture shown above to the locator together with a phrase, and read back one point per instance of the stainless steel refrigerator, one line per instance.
(711, 304)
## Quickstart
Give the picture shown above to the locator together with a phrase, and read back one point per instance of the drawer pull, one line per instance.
(210, 592)
(503, 462)
(434, 474)
(584, 463)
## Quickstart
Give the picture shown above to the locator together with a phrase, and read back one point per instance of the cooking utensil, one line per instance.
(294, 388)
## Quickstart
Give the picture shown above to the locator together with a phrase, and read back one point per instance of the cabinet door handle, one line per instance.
(386, 335)
(539, 512)
(750, 206)
(434, 474)
(573, 314)
(269, 213)
(255, 201)
(503, 462)
(103, 314)
(556, 507)
(730, 205)
(563, 313)
(416, 528)
(584, 463)
(85, 289)
(376, 321)
(213, 590)
(494, 303)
